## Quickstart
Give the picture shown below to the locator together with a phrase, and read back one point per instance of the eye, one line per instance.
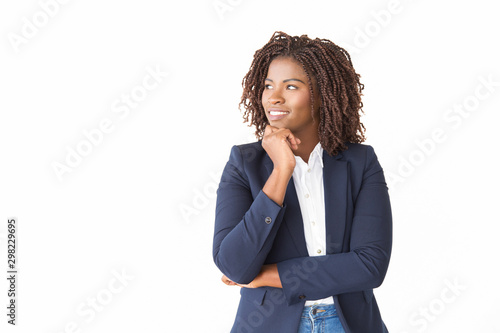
(288, 86)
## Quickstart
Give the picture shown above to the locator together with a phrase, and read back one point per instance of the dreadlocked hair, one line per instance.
(336, 80)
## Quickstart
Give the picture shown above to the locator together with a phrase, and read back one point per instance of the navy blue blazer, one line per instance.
(252, 230)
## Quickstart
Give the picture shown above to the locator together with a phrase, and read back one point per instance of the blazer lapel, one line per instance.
(335, 182)
(293, 219)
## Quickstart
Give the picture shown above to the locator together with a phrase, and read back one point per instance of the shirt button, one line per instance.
(313, 223)
(309, 170)
(268, 220)
(319, 251)
(307, 195)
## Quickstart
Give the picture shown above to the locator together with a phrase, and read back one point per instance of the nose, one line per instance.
(275, 98)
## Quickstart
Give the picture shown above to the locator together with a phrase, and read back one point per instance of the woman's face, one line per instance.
(286, 98)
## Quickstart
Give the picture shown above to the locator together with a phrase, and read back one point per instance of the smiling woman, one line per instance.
(303, 221)
(287, 81)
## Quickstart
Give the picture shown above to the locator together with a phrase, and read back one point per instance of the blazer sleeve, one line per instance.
(245, 227)
(365, 266)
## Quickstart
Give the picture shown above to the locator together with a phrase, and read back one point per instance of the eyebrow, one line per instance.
(286, 80)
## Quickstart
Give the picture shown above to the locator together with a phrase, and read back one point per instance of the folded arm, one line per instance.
(245, 227)
(364, 267)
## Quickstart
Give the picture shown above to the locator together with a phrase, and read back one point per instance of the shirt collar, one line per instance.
(318, 150)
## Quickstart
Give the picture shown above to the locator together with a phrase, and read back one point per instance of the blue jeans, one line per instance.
(320, 319)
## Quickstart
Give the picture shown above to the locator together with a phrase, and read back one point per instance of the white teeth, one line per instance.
(276, 113)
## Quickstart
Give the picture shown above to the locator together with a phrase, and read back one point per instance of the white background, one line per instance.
(120, 209)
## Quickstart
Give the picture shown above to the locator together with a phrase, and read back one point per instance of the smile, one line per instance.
(277, 113)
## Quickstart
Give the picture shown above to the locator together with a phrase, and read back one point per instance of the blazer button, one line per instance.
(302, 296)
(268, 220)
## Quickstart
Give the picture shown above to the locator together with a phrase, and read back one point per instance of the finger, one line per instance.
(270, 129)
(284, 136)
(289, 143)
(292, 139)
(297, 140)
(267, 130)
(226, 281)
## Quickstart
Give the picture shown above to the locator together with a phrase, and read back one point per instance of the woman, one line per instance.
(303, 218)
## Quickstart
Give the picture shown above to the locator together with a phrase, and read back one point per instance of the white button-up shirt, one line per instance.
(308, 181)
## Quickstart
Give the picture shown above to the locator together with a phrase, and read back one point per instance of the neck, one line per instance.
(306, 147)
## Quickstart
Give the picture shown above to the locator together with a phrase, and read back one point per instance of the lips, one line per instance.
(276, 114)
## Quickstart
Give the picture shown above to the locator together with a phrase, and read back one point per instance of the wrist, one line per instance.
(269, 277)
(285, 172)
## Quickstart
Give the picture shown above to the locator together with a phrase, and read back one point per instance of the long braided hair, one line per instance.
(339, 88)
